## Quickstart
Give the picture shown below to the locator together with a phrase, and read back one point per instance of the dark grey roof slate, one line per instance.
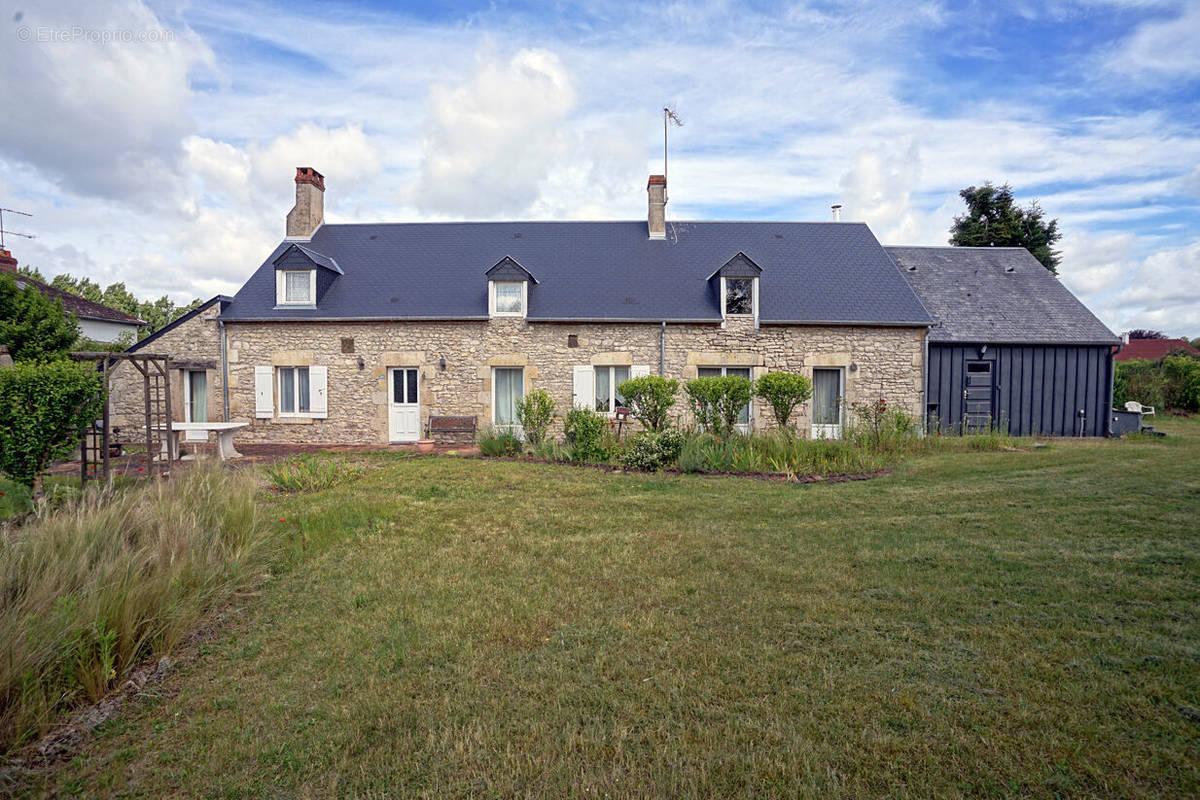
(811, 272)
(996, 294)
(297, 255)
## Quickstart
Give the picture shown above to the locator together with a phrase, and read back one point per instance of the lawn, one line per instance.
(972, 624)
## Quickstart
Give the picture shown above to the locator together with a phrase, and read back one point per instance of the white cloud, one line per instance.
(1162, 48)
(493, 139)
(100, 117)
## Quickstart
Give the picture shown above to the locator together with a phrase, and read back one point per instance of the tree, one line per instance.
(32, 327)
(31, 272)
(994, 220)
(1142, 333)
(649, 398)
(783, 391)
(83, 287)
(719, 402)
(42, 409)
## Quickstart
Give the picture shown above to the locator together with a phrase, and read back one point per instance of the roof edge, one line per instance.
(176, 323)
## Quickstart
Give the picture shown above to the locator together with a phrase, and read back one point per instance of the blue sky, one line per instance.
(164, 158)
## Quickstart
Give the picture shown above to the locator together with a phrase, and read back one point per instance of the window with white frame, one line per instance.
(508, 298)
(729, 372)
(294, 395)
(195, 388)
(508, 387)
(607, 379)
(739, 295)
(295, 287)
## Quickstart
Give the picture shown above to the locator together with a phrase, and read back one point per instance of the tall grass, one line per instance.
(308, 472)
(88, 592)
(777, 452)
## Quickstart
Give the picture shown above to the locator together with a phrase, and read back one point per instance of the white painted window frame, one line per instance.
(753, 297)
(295, 392)
(515, 427)
(281, 289)
(187, 392)
(492, 312)
(612, 386)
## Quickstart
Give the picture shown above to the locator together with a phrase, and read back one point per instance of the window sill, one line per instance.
(295, 306)
(293, 420)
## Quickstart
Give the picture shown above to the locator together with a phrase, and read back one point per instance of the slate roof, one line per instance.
(79, 306)
(1000, 295)
(823, 272)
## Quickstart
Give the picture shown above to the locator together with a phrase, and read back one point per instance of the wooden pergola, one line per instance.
(96, 438)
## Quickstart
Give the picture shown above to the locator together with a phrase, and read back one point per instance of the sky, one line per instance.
(156, 143)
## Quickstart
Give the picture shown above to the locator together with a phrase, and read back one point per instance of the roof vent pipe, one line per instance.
(837, 212)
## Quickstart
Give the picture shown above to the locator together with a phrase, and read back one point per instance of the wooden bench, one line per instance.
(452, 430)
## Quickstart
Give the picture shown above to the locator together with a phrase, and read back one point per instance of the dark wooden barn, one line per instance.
(1010, 347)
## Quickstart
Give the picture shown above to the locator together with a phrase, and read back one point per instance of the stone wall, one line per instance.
(879, 362)
(197, 340)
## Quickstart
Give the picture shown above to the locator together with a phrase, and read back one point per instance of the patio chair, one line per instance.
(1138, 408)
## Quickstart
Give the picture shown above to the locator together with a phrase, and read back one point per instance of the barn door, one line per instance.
(979, 383)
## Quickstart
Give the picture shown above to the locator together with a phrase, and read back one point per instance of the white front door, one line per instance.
(404, 408)
(827, 404)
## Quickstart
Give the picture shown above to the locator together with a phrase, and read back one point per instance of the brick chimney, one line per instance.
(309, 212)
(7, 262)
(656, 219)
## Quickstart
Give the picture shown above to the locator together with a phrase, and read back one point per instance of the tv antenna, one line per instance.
(3, 232)
(669, 116)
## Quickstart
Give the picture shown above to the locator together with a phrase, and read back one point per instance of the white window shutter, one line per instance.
(264, 392)
(318, 403)
(585, 387)
(639, 371)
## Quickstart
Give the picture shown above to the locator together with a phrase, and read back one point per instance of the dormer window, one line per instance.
(737, 285)
(508, 288)
(302, 276)
(508, 298)
(739, 295)
(295, 287)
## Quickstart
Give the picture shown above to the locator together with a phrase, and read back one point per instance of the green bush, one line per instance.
(308, 472)
(783, 391)
(717, 402)
(649, 399)
(586, 430)
(1170, 383)
(496, 443)
(1139, 380)
(653, 450)
(535, 412)
(43, 408)
(92, 590)
(1182, 382)
(33, 327)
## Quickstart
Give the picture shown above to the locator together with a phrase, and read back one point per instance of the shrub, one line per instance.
(92, 590)
(1170, 383)
(585, 430)
(1182, 382)
(535, 412)
(718, 402)
(33, 327)
(43, 407)
(309, 473)
(653, 450)
(1139, 380)
(649, 399)
(783, 391)
(496, 443)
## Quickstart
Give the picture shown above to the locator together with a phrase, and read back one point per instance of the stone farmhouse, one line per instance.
(359, 333)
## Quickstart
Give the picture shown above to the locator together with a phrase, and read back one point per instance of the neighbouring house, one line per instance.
(359, 333)
(1154, 349)
(97, 322)
(1010, 345)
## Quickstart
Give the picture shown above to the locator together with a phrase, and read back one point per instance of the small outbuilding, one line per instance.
(1010, 346)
